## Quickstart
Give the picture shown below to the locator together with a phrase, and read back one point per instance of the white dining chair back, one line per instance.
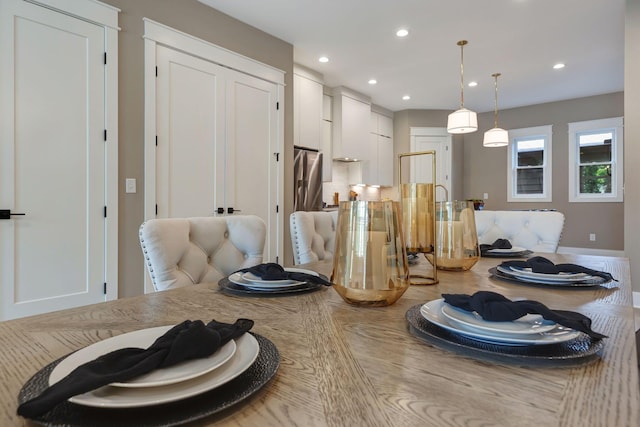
(538, 231)
(184, 251)
(313, 235)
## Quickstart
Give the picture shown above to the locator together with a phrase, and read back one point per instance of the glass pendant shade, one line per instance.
(496, 137)
(462, 121)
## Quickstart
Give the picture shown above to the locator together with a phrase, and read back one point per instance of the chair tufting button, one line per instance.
(246, 256)
(208, 260)
(226, 234)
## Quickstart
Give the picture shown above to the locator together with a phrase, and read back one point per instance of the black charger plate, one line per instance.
(167, 414)
(577, 352)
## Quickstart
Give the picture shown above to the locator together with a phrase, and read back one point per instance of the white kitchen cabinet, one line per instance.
(307, 109)
(379, 170)
(351, 116)
(326, 147)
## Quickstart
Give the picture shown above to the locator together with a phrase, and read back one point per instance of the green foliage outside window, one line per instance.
(595, 179)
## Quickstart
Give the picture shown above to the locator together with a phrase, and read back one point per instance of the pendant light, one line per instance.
(496, 137)
(462, 120)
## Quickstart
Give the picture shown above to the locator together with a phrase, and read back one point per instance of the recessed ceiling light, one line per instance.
(406, 97)
(402, 32)
(323, 59)
(373, 81)
(558, 66)
(473, 84)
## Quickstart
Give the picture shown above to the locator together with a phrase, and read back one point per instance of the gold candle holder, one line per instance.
(370, 263)
(418, 205)
(456, 237)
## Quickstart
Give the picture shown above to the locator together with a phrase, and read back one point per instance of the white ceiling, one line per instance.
(521, 39)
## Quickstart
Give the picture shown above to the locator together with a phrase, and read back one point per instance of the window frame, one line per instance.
(617, 160)
(544, 132)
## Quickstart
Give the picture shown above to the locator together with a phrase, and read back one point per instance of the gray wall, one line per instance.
(478, 170)
(208, 24)
(632, 139)
(486, 169)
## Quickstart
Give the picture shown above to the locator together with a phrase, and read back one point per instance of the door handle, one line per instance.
(7, 214)
(220, 211)
(232, 210)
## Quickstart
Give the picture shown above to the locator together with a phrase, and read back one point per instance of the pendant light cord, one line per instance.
(495, 113)
(461, 43)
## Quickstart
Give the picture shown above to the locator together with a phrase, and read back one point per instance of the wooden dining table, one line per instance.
(345, 365)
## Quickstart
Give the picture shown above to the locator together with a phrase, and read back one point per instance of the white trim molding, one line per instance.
(614, 125)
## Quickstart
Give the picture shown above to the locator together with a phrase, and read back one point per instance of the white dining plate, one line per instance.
(238, 280)
(511, 250)
(432, 311)
(560, 277)
(252, 278)
(247, 349)
(143, 339)
(529, 324)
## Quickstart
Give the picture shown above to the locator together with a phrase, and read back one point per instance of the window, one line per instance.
(529, 165)
(595, 161)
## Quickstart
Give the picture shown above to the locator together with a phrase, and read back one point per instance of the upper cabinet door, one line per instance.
(307, 116)
(351, 120)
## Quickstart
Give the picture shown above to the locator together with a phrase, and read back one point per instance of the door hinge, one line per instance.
(277, 156)
(156, 71)
(104, 289)
(156, 209)
(105, 211)
(105, 58)
(105, 134)
(277, 208)
(277, 260)
(156, 140)
(277, 105)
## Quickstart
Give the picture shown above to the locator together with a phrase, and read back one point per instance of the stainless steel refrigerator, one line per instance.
(307, 173)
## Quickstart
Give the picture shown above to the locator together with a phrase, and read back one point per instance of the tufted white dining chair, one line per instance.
(538, 231)
(184, 251)
(313, 235)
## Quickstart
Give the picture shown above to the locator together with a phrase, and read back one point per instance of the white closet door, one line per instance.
(52, 161)
(251, 165)
(190, 129)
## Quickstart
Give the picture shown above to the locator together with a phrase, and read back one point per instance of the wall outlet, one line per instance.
(592, 237)
(485, 196)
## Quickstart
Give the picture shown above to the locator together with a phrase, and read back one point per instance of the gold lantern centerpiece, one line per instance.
(418, 205)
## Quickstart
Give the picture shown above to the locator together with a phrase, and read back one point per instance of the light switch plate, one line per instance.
(130, 185)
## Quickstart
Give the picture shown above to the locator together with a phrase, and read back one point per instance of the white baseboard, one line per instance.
(589, 251)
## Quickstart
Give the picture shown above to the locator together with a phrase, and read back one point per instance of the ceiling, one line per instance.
(521, 39)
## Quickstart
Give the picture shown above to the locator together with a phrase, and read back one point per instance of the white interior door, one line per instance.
(429, 139)
(190, 129)
(251, 179)
(52, 161)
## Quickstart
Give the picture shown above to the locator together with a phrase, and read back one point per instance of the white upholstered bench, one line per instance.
(538, 231)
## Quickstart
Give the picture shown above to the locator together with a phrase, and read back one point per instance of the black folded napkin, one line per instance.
(540, 264)
(498, 244)
(495, 307)
(188, 340)
(273, 271)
